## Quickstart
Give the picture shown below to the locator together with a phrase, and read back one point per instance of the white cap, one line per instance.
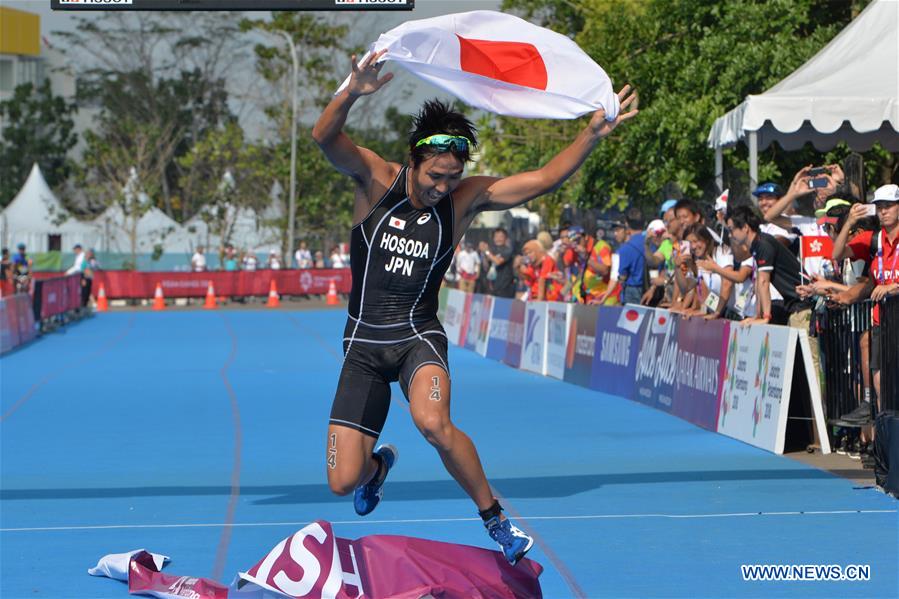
(886, 193)
(656, 227)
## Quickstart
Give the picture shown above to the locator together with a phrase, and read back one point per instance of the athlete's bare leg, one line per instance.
(348, 455)
(429, 402)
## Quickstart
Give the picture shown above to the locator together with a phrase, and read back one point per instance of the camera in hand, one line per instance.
(818, 171)
(819, 182)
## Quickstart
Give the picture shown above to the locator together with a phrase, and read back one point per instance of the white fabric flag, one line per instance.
(502, 64)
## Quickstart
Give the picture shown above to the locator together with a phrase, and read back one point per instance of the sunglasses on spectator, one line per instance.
(445, 143)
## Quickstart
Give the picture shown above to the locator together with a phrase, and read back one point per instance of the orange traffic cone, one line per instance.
(102, 304)
(273, 300)
(332, 299)
(158, 299)
(210, 298)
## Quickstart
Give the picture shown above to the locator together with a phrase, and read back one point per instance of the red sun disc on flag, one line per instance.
(631, 315)
(512, 62)
(662, 320)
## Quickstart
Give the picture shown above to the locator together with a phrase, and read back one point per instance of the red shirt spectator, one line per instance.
(549, 272)
(881, 252)
(884, 264)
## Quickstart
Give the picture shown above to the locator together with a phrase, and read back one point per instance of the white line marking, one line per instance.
(435, 520)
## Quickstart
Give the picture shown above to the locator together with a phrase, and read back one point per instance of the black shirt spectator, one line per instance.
(772, 256)
(775, 266)
(500, 256)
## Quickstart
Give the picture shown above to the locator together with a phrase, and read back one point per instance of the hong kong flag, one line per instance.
(815, 251)
(502, 64)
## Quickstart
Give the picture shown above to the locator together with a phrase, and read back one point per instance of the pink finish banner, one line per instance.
(126, 284)
(314, 563)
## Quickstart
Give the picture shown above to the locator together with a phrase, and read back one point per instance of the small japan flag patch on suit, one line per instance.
(397, 223)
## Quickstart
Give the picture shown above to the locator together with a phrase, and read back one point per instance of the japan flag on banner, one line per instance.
(630, 319)
(502, 64)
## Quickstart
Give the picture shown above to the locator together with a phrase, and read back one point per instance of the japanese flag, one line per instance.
(630, 319)
(721, 202)
(502, 64)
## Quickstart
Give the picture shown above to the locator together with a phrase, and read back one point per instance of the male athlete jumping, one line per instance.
(408, 218)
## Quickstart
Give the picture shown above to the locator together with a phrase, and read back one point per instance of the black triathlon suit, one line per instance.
(398, 256)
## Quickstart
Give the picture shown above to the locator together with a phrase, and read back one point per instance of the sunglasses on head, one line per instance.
(445, 143)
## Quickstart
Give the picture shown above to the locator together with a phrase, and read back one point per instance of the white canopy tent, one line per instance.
(36, 215)
(112, 228)
(848, 92)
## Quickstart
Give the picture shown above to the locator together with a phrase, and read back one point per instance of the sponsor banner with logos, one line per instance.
(717, 375)
(533, 350)
(557, 317)
(483, 335)
(581, 344)
(700, 370)
(441, 302)
(499, 329)
(657, 361)
(515, 334)
(455, 312)
(618, 334)
(466, 319)
(756, 385)
(475, 313)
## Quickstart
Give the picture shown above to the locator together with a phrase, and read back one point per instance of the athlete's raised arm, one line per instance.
(501, 193)
(340, 150)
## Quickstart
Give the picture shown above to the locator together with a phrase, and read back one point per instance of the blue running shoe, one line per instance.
(367, 497)
(513, 542)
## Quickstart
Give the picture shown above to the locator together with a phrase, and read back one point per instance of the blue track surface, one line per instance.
(150, 430)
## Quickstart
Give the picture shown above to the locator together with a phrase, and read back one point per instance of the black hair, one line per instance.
(437, 117)
(702, 232)
(745, 215)
(500, 230)
(687, 204)
(634, 218)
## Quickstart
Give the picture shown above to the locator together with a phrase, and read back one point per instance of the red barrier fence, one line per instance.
(126, 284)
(57, 295)
(16, 321)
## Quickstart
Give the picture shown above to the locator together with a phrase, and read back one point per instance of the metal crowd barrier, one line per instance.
(845, 339)
(841, 334)
(889, 352)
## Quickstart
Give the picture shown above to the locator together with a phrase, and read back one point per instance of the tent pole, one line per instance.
(753, 159)
(719, 168)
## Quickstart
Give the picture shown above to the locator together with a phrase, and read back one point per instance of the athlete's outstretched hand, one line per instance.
(364, 78)
(628, 98)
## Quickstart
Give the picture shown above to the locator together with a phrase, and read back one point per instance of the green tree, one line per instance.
(691, 61)
(324, 199)
(227, 174)
(36, 127)
(165, 69)
(124, 166)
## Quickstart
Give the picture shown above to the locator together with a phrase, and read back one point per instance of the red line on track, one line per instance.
(558, 564)
(85, 359)
(221, 553)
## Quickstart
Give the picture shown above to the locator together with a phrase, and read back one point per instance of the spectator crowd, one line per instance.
(759, 262)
